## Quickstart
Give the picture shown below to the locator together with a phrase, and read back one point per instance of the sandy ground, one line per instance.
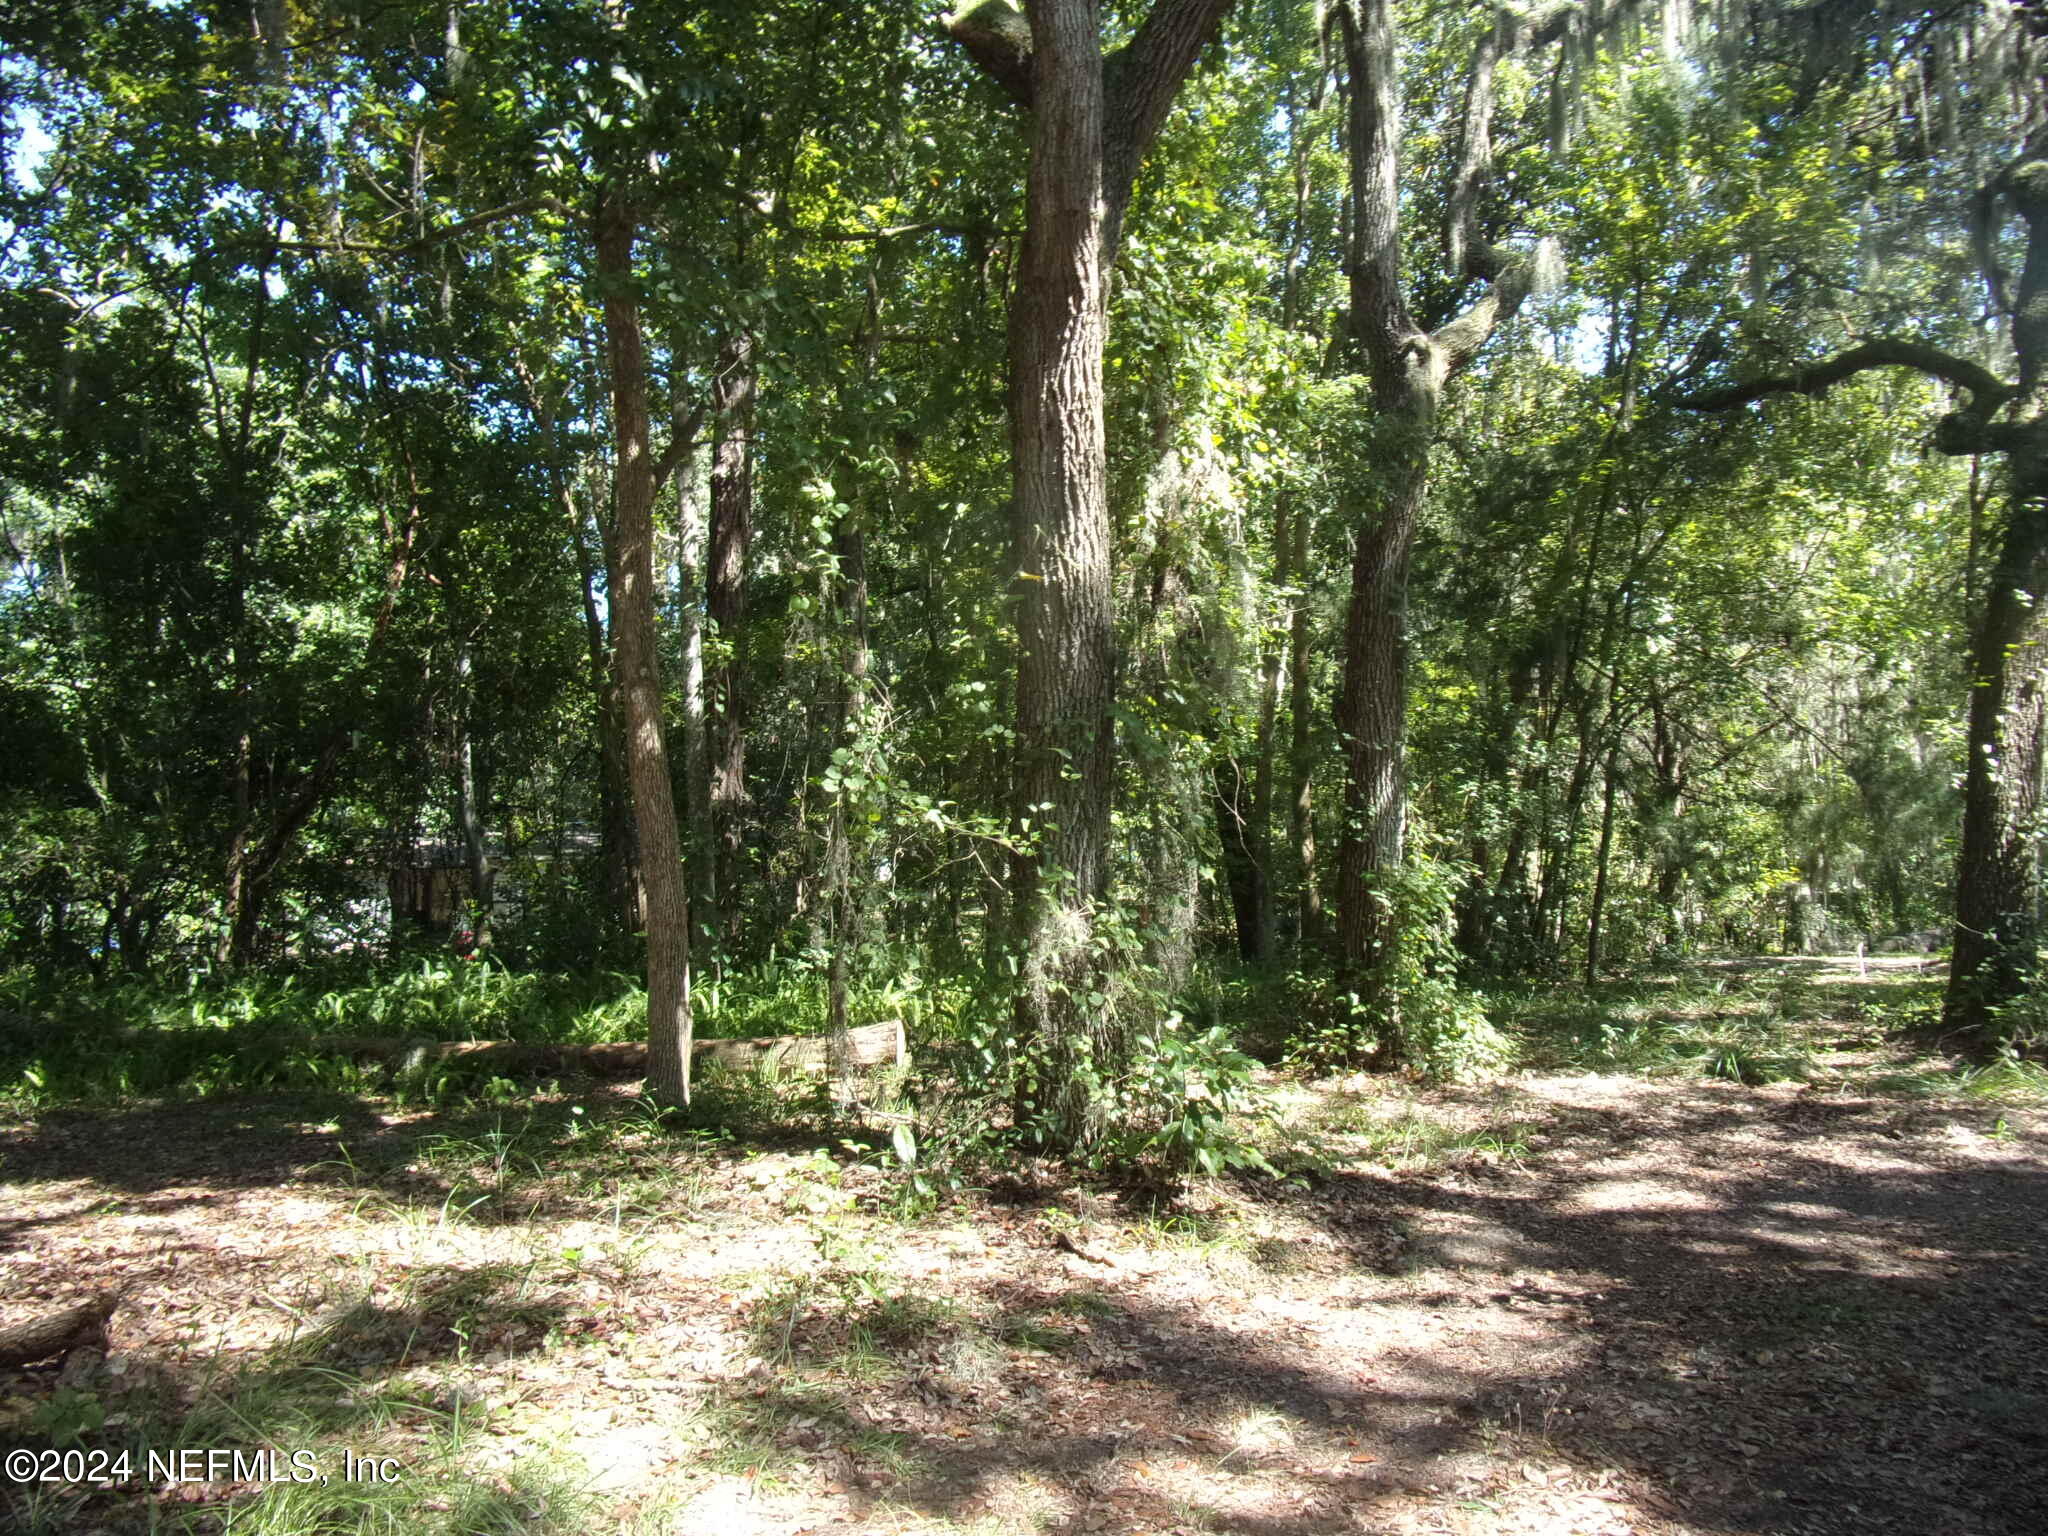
(1667, 1307)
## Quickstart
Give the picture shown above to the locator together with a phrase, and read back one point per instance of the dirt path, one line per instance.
(1644, 1307)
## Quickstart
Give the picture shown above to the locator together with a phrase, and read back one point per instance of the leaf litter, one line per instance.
(1668, 1307)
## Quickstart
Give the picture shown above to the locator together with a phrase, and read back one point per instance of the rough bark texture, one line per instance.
(637, 661)
(1998, 877)
(693, 493)
(1383, 497)
(1406, 368)
(1091, 121)
(1065, 734)
(79, 1327)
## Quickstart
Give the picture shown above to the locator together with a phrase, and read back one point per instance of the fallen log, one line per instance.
(59, 1333)
(870, 1046)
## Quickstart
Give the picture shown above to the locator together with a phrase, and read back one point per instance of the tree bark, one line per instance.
(1998, 876)
(849, 547)
(1301, 756)
(637, 660)
(1255, 925)
(732, 532)
(615, 812)
(1243, 875)
(82, 1326)
(483, 875)
(1387, 477)
(1091, 122)
(1597, 911)
(1061, 546)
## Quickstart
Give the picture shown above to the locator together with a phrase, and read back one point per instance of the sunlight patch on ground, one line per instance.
(1639, 1195)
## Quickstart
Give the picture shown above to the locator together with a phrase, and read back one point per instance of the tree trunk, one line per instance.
(1386, 476)
(1372, 721)
(732, 533)
(849, 546)
(1061, 544)
(483, 875)
(1244, 874)
(1598, 911)
(637, 659)
(1301, 763)
(37, 1338)
(1998, 874)
(614, 809)
(1998, 880)
(1091, 122)
(692, 504)
(1998, 892)
(1255, 926)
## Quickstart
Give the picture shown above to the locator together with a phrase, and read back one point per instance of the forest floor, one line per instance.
(1573, 1301)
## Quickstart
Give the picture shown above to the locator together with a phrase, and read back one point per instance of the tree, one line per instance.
(1407, 363)
(1093, 116)
(1998, 890)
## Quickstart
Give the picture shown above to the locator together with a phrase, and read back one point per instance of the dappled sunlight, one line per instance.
(1569, 1303)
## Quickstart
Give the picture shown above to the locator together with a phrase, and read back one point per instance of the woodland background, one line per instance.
(849, 514)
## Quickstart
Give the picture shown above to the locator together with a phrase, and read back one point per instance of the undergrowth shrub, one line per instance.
(1438, 1028)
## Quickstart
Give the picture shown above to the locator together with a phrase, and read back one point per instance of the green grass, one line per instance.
(1740, 1027)
(80, 1041)
(371, 1380)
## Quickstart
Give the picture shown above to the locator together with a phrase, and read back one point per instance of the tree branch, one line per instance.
(681, 440)
(997, 36)
(432, 238)
(1145, 75)
(1513, 280)
(1475, 155)
(1987, 392)
(1968, 430)
(895, 231)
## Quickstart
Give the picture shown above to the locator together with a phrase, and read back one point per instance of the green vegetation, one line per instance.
(1266, 581)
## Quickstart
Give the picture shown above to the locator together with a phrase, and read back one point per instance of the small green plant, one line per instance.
(1418, 1015)
(1181, 1106)
(69, 1416)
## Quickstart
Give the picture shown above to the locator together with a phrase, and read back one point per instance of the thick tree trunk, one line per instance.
(1387, 474)
(1372, 721)
(637, 659)
(1091, 122)
(38, 1338)
(1998, 874)
(1998, 879)
(1061, 544)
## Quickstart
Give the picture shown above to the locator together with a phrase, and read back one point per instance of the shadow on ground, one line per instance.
(1759, 1312)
